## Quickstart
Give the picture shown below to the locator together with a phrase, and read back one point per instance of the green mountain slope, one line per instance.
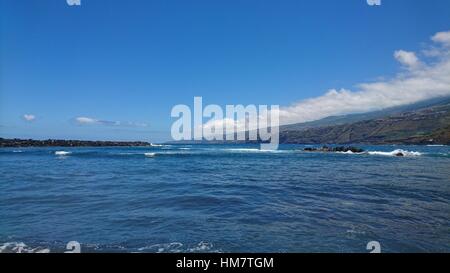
(427, 125)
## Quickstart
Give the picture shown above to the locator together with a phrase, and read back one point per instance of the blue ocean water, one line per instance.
(224, 198)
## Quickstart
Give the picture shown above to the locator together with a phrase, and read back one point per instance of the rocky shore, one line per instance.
(344, 149)
(67, 143)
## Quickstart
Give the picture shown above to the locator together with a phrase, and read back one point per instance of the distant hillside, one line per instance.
(425, 123)
(351, 118)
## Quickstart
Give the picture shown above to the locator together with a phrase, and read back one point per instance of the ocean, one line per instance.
(224, 198)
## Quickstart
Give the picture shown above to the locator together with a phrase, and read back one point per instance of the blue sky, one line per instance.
(127, 63)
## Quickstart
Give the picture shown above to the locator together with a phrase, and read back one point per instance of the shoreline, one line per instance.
(30, 143)
(24, 143)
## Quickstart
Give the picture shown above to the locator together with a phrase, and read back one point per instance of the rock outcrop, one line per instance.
(328, 149)
(66, 143)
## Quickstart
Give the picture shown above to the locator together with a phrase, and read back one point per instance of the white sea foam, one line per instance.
(150, 154)
(349, 153)
(156, 145)
(174, 247)
(18, 247)
(177, 247)
(202, 247)
(396, 153)
(253, 150)
(62, 153)
(159, 145)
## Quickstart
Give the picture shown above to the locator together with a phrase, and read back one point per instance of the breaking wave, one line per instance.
(398, 152)
(18, 247)
(177, 247)
(62, 153)
(150, 154)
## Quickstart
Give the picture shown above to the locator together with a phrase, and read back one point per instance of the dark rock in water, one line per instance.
(356, 150)
(341, 149)
(67, 143)
(400, 154)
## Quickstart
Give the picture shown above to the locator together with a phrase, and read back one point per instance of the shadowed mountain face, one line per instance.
(425, 123)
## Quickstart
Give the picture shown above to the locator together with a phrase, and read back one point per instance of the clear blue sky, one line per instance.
(132, 61)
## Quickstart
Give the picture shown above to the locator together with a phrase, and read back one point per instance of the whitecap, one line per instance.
(19, 247)
(156, 145)
(150, 154)
(349, 153)
(174, 247)
(253, 150)
(244, 150)
(397, 152)
(202, 247)
(62, 153)
(159, 145)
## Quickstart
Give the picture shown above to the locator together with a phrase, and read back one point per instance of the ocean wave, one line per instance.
(349, 153)
(253, 150)
(62, 153)
(150, 154)
(156, 145)
(177, 247)
(174, 247)
(202, 247)
(160, 145)
(398, 152)
(19, 247)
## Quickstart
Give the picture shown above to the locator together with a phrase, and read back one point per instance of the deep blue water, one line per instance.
(214, 198)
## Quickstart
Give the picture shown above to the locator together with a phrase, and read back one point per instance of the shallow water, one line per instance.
(224, 198)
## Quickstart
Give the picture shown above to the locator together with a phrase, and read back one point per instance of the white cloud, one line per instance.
(93, 121)
(85, 120)
(442, 37)
(406, 58)
(29, 117)
(423, 80)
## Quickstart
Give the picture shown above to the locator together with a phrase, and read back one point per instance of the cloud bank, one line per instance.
(94, 121)
(423, 79)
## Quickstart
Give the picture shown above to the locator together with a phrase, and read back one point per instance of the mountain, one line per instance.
(426, 122)
(350, 118)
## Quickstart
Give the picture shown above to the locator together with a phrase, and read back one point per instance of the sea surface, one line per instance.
(224, 198)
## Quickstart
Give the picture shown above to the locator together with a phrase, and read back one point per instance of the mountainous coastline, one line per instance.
(421, 124)
(428, 124)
